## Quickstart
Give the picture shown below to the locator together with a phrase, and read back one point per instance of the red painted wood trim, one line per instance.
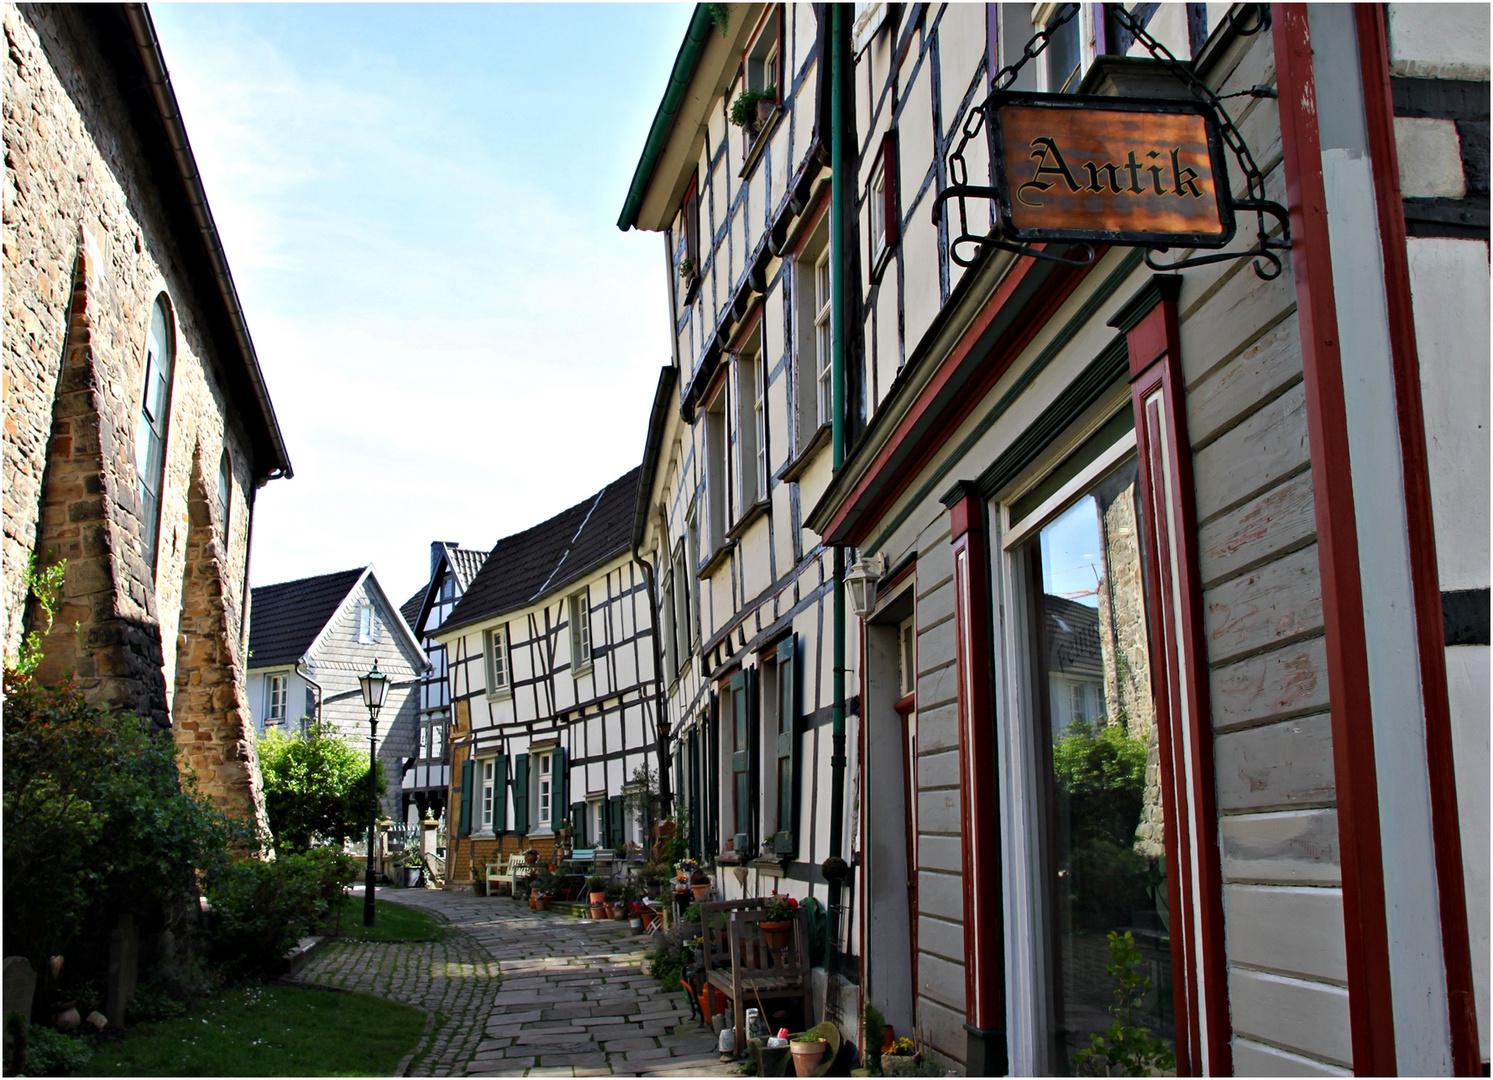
(1370, 1006)
(1156, 360)
(984, 921)
(1373, 54)
(1056, 292)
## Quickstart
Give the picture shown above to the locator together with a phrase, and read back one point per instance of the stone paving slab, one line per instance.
(525, 993)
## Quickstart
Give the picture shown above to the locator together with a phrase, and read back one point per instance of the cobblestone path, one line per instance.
(524, 993)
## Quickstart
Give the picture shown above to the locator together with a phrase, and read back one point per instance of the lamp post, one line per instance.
(375, 685)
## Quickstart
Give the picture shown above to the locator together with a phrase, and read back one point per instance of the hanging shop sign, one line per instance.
(1109, 170)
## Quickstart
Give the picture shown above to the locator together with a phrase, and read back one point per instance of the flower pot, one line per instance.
(700, 891)
(899, 1064)
(598, 898)
(543, 903)
(598, 911)
(534, 901)
(531, 857)
(636, 925)
(411, 877)
(648, 918)
(764, 112)
(776, 934)
(666, 828)
(806, 1056)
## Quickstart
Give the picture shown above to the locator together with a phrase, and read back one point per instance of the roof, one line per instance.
(543, 559)
(466, 563)
(1072, 637)
(285, 619)
(410, 609)
(127, 39)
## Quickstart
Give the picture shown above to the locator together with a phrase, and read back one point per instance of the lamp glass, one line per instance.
(375, 687)
(861, 580)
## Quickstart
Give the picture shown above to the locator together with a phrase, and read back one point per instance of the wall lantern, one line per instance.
(861, 579)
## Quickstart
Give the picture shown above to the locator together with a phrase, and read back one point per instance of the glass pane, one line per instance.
(1104, 857)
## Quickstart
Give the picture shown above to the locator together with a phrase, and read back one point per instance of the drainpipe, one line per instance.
(661, 726)
(304, 674)
(840, 210)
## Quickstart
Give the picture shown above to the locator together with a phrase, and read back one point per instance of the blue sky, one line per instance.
(419, 206)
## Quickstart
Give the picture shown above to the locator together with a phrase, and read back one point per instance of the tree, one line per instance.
(315, 788)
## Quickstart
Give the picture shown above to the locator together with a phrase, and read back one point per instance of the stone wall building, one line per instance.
(137, 422)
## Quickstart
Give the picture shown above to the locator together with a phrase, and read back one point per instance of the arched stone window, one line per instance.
(150, 436)
(225, 494)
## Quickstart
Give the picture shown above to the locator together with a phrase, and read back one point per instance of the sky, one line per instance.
(419, 207)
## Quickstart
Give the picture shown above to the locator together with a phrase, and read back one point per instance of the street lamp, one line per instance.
(375, 686)
(861, 580)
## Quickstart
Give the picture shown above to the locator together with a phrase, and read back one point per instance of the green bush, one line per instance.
(667, 964)
(316, 788)
(261, 909)
(51, 1053)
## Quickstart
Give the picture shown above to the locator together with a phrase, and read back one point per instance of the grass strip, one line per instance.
(275, 1029)
(392, 922)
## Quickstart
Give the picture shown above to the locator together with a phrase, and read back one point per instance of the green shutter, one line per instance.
(741, 756)
(785, 711)
(500, 794)
(464, 812)
(578, 823)
(521, 794)
(614, 822)
(560, 779)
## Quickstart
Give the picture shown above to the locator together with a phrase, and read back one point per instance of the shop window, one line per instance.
(1101, 859)
(150, 433)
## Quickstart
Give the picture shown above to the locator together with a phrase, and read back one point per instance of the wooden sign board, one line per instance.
(1110, 170)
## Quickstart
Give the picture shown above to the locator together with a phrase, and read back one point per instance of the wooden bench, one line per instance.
(739, 963)
(505, 872)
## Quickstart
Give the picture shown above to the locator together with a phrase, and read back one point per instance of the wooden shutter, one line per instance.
(741, 756)
(578, 824)
(614, 822)
(712, 793)
(521, 793)
(559, 783)
(692, 798)
(785, 750)
(500, 794)
(464, 812)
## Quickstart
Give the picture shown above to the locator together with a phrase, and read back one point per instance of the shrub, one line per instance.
(261, 909)
(51, 1053)
(667, 964)
(315, 788)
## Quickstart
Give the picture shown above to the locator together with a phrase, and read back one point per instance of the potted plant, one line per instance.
(901, 1058)
(689, 924)
(413, 866)
(699, 884)
(751, 108)
(777, 923)
(542, 901)
(531, 856)
(479, 886)
(808, 1050)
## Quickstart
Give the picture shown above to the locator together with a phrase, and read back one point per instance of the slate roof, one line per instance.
(525, 566)
(1072, 637)
(285, 618)
(466, 563)
(410, 609)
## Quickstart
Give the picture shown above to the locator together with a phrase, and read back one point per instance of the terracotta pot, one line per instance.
(700, 891)
(531, 857)
(776, 934)
(544, 903)
(534, 901)
(619, 912)
(666, 828)
(598, 911)
(598, 898)
(806, 1056)
(647, 918)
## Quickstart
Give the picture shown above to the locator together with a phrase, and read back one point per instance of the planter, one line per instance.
(598, 911)
(899, 1064)
(479, 888)
(666, 829)
(534, 901)
(764, 113)
(531, 857)
(806, 1056)
(776, 934)
(689, 930)
(411, 877)
(700, 891)
(543, 903)
(636, 925)
(619, 912)
(598, 898)
(648, 918)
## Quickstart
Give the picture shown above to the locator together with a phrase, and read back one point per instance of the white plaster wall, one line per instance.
(1439, 41)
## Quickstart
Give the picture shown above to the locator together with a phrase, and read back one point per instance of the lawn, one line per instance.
(393, 922)
(270, 1030)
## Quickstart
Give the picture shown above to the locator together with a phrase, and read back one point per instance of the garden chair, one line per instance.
(744, 968)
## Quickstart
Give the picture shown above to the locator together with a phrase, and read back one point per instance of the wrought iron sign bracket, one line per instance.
(1273, 232)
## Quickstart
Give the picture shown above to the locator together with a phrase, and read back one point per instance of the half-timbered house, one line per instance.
(425, 777)
(1194, 525)
(551, 658)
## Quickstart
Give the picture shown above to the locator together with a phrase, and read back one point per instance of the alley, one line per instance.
(512, 992)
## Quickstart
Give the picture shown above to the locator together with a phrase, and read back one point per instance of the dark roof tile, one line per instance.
(285, 618)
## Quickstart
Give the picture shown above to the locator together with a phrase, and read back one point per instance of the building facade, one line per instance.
(425, 777)
(1191, 527)
(311, 640)
(138, 426)
(554, 701)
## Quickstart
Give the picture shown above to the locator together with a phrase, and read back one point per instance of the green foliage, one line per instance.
(667, 964)
(1126, 1049)
(720, 16)
(315, 788)
(744, 108)
(873, 1033)
(1102, 776)
(45, 587)
(51, 1053)
(691, 914)
(17, 1035)
(261, 909)
(97, 824)
(392, 922)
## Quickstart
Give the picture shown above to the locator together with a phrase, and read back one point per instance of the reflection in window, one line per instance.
(1104, 857)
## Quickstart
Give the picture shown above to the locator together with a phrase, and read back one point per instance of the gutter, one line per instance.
(685, 63)
(154, 63)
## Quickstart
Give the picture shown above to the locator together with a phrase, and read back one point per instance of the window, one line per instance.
(150, 434)
(1070, 48)
(691, 583)
(546, 792)
(424, 751)
(599, 822)
(497, 660)
(907, 659)
(687, 239)
(309, 712)
(275, 692)
(750, 461)
(580, 630)
(488, 786)
(881, 201)
(438, 740)
(780, 690)
(762, 59)
(670, 630)
(369, 627)
(744, 786)
(813, 341)
(680, 600)
(1102, 864)
(717, 449)
(823, 342)
(225, 495)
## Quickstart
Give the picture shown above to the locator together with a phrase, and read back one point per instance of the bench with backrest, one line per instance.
(505, 872)
(740, 963)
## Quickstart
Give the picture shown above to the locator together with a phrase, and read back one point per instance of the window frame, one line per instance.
(544, 791)
(717, 437)
(276, 699)
(153, 425)
(486, 796)
(882, 204)
(581, 644)
(498, 662)
(225, 494)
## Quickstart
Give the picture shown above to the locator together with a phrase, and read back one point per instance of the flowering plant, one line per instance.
(780, 908)
(903, 1047)
(689, 867)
